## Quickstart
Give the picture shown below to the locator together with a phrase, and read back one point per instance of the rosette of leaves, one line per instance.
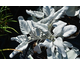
(5, 18)
(52, 40)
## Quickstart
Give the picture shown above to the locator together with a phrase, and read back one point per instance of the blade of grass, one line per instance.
(12, 29)
(3, 34)
(11, 20)
(4, 10)
(10, 49)
(8, 31)
(6, 17)
(9, 28)
(3, 54)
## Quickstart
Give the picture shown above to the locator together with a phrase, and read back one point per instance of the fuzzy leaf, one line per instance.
(20, 38)
(24, 26)
(47, 43)
(46, 10)
(72, 11)
(69, 30)
(58, 30)
(68, 44)
(20, 47)
(35, 13)
(59, 43)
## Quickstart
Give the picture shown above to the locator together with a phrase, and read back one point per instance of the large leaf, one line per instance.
(20, 47)
(24, 26)
(59, 43)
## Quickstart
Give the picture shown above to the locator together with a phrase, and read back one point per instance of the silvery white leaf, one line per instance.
(37, 32)
(68, 44)
(72, 54)
(45, 35)
(35, 13)
(55, 15)
(57, 23)
(76, 50)
(52, 50)
(58, 55)
(47, 43)
(69, 30)
(34, 19)
(72, 11)
(77, 12)
(37, 49)
(59, 43)
(49, 57)
(41, 26)
(58, 30)
(59, 13)
(66, 49)
(31, 26)
(24, 26)
(20, 38)
(48, 50)
(20, 47)
(46, 10)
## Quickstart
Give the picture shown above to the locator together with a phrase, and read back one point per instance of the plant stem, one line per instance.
(3, 54)
(10, 49)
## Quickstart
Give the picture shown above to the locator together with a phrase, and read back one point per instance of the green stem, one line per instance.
(3, 54)
(10, 49)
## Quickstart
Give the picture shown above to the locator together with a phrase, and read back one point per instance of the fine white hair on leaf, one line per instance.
(35, 13)
(69, 30)
(59, 43)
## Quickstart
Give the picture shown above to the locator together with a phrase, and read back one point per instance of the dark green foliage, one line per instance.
(5, 18)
